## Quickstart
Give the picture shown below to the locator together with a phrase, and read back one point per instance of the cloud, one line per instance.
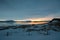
(46, 18)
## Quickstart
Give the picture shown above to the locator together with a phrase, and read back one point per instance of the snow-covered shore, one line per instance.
(18, 34)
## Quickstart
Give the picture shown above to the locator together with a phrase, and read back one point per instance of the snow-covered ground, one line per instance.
(29, 32)
(20, 34)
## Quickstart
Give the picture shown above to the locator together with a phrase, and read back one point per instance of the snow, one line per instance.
(20, 34)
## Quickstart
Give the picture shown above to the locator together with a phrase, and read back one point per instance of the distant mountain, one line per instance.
(10, 20)
(7, 21)
(54, 24)
(55, 21)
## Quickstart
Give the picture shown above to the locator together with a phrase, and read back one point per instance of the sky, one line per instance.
(29, 9)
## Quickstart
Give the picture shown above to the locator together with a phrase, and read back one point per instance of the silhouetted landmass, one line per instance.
(55, 24)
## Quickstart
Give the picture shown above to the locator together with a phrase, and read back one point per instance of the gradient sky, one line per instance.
(24, 9)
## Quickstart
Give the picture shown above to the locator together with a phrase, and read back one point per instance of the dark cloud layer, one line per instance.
(20, 9)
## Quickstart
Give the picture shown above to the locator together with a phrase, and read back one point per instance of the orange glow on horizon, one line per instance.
(40, 19)
(36, 19)
(31, 22)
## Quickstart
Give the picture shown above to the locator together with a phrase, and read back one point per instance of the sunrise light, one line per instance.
(33, 21)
